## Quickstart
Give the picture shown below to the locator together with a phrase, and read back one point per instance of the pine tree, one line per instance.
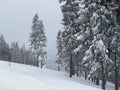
(15, 53)
(59, 60)
(70, 10)
(97, 24)
(91, 39)
(84, 35)
(111, 40)
(4, 49)
(23, 54)
(38, 40)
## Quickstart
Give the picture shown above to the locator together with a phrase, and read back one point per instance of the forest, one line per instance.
(87, 46)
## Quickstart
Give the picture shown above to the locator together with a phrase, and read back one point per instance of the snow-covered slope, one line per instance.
(22, 77)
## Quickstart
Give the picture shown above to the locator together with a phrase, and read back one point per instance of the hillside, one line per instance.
(22, 77)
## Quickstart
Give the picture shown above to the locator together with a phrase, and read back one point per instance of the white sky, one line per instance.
(16, 20)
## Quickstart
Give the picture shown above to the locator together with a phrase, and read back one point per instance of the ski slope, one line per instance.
(22, 77)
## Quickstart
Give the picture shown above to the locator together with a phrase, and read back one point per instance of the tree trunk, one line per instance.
(9, 60)
(73, 69)
(77, 71)
(97, 79)
(116, 73)
(85, 75)
(77, 65)
(94, 79)
(58, 67)
(71, 66)
(37, 61)
(103, 76)
(41, 64)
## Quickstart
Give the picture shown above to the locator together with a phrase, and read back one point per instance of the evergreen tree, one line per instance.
(59, 60)
(99, 24)
(23, 54)
(15, 53)
(111, 39)
(90, 40)
(84, 37)
(70, 10)
(38, 40)
(4, 49)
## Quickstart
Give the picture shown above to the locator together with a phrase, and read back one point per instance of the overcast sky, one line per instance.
(16, 20)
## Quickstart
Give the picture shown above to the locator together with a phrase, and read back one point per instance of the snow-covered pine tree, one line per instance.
(70, 9)
(4, 49)
(65, 56)
(30, 58)
(114, 8)
(90, 11)
(59, 60)
(15, 53)
(115, 47)
(112, 41)
(38, 40)
(84, 35)
(98, 24)
(23, 54)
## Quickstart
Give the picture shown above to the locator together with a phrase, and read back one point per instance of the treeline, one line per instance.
(15, 53)
(89, 45)
(35, 55)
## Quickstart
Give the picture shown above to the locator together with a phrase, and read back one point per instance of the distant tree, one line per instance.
(23, 54)
(15, 53)
(38, 40)
(4, 49)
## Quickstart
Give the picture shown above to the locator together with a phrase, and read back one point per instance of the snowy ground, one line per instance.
(22, 77)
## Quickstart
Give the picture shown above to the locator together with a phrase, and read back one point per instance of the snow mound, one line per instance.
(22, 77)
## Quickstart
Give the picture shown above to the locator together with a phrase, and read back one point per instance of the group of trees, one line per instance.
(89, 45)
(15, 53)
(35, 55)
